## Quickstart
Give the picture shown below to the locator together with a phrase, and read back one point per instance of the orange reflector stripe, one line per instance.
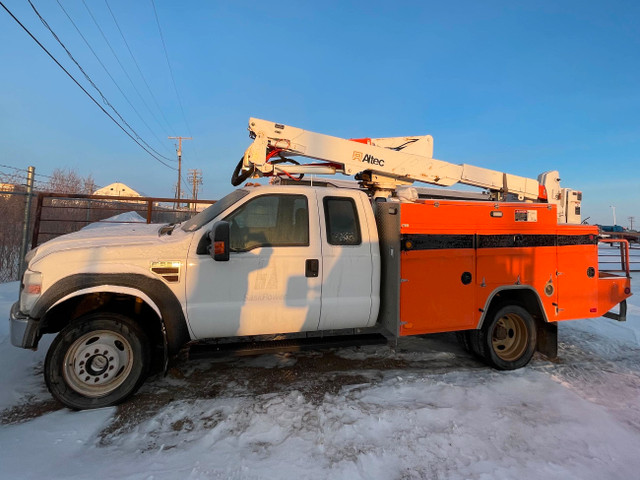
(366, 141)
(542, 192)
(34, 289)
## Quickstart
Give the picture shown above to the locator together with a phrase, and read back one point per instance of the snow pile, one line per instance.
(121, 219)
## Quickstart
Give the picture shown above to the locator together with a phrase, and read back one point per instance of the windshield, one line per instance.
(213, 211)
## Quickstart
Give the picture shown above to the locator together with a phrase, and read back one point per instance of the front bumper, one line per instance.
(24, 329)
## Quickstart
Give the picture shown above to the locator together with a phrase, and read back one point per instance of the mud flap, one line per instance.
(547, 343)
(621, 316)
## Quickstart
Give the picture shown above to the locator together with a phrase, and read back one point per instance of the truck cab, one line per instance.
(300, 259)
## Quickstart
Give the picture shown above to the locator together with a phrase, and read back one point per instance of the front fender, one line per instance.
(135, 292)
(153, 291)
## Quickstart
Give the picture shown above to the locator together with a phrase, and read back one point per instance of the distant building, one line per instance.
(117, 190)
(7, 189)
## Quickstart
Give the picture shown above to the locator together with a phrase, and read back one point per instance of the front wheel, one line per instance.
(98, 360)
(507, 340)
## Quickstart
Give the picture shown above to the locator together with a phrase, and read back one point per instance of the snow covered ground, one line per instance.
(426, 410)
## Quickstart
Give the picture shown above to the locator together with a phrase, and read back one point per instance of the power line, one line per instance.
(184, 182)
(136, 64)
(166, 55)
(175, 87)
(124, 70)
(88, 78)
(79, 85)
(111, 76)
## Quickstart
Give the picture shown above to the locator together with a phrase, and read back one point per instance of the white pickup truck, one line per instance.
(285, 259)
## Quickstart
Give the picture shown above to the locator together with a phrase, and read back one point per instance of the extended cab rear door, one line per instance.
(350, 260)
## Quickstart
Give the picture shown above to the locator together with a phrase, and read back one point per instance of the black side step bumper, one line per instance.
(621, 316)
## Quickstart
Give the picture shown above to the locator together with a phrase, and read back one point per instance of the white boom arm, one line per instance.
(382, 164)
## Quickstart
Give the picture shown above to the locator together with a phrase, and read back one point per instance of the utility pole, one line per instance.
(631, 219)
(195, 178)
(613, 207)
(178, 194)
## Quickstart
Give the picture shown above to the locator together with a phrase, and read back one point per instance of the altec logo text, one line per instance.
(370, 159)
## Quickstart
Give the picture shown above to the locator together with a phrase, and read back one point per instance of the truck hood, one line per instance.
(111, 236)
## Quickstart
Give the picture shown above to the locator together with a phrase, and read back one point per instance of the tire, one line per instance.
(98, 360)
(507, 340)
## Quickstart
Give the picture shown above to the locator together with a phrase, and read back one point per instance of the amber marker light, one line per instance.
(218, 248)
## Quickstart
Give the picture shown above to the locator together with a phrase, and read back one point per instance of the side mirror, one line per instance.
(219, 236)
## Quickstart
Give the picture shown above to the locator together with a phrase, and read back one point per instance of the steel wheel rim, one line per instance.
(510, 337)
(97, 363)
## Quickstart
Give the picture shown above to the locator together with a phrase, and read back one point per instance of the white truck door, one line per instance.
(348, 256)
(272, 281)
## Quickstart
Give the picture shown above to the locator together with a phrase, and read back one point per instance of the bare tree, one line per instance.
(66, 181)
(11, 212)
(89, 185)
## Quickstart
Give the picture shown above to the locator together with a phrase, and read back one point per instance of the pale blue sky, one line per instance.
(516, 86)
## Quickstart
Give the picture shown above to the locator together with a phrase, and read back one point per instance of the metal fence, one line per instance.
(53, 214)
(57, 213)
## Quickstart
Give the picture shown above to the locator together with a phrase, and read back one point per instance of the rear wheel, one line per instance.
(98, 360)
(507, 340)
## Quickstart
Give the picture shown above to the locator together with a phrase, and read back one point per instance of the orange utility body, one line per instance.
(457, 255)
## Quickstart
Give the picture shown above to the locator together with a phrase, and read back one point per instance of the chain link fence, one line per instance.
(12, 205)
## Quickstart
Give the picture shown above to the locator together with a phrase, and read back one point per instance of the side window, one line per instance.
(343, 227)
(270, 221)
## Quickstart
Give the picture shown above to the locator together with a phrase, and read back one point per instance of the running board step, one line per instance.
(241, 349)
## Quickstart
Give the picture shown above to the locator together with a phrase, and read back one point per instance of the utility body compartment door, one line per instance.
(437, 268)
(577, 273)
